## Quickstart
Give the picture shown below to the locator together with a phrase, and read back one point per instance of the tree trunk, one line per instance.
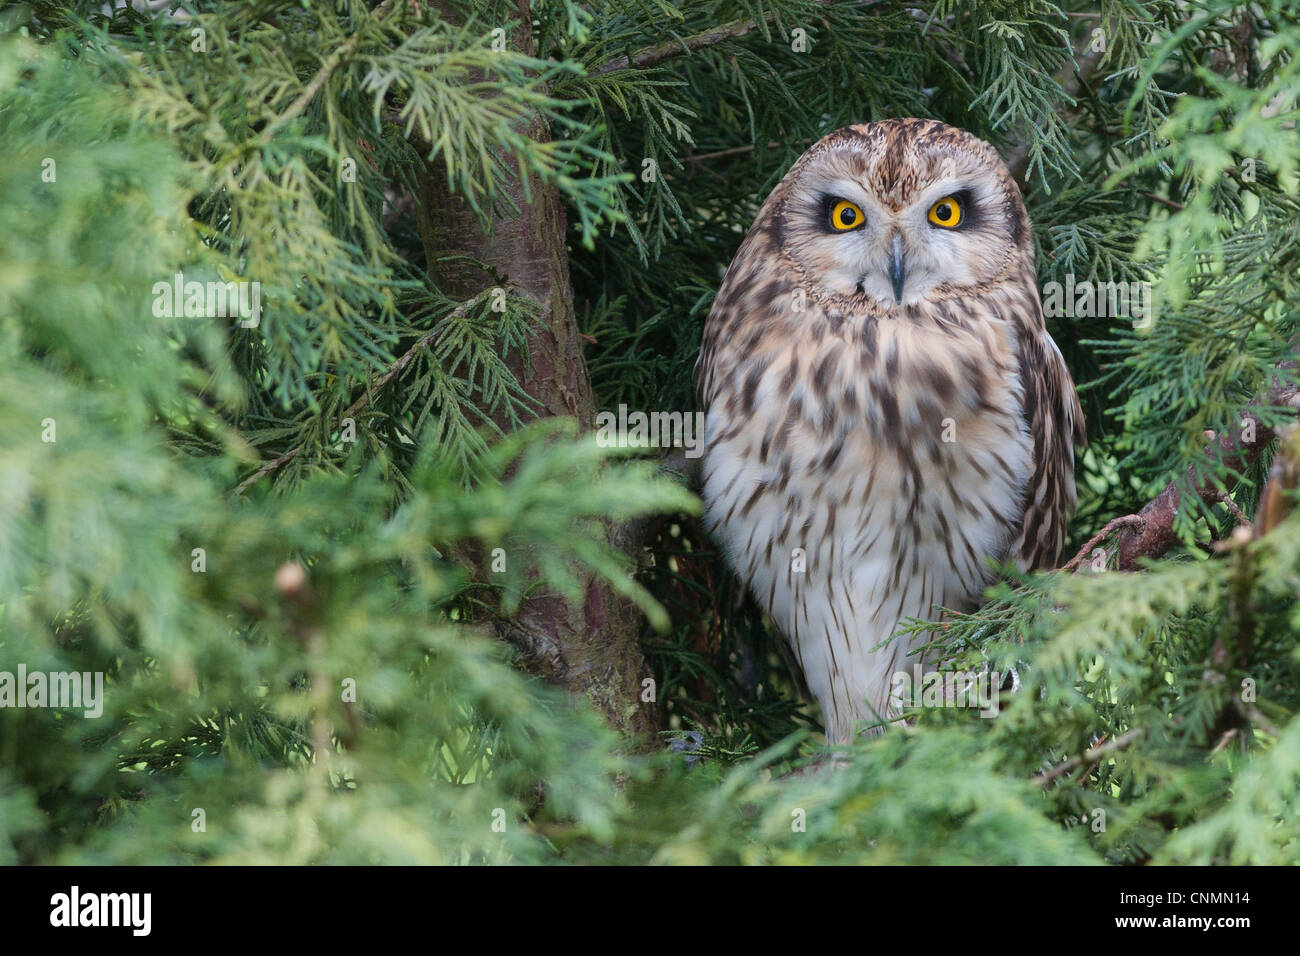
(593, 649)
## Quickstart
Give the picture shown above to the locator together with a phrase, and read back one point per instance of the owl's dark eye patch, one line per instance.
(839, 215)
(970, 212)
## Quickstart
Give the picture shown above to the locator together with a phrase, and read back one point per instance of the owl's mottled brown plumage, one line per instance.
(885, 411)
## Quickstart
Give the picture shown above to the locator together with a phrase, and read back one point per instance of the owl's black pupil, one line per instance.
(944, 212)
(848, 215)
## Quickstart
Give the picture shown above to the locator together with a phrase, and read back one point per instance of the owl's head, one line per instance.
(898, 212)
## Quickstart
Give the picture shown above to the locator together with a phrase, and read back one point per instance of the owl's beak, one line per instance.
(897, 272)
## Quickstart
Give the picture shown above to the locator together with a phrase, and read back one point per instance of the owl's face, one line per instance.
(900, 211)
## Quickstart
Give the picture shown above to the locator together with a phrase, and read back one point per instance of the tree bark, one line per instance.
(594, 648)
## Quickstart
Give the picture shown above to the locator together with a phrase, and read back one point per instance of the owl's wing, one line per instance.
(1055, 421)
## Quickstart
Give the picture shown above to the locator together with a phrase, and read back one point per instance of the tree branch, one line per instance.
(724, 153)
(1156, 535)
(1085, 66)
(1096, 539)
(371, 390)
(654, 55)
(1165, 201)
(1091, 755)
(332, 63)
(1150, 532)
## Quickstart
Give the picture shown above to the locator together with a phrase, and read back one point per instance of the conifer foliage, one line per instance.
(307, 309)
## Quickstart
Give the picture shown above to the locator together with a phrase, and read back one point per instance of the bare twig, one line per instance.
(1165, 201)
(723, 153)
(1234, 509)
(1227, 738)
(1091, 755)
(1123, 521)
(654, 55)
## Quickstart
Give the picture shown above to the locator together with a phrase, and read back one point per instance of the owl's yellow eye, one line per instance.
(845, 216)
(946, 212)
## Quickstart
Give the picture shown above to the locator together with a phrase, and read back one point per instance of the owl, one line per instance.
(886, 415)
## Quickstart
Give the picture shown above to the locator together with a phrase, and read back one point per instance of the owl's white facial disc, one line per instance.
(927, 221)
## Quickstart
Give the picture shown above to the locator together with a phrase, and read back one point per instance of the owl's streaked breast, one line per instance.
(862, 471)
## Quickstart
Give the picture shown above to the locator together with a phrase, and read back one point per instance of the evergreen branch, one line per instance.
(1149, 533)
(1019, 155)
(332, 63)
(1156, 535)
(654, 55)
(1091, 755)
(371, 390)
(1227, 655)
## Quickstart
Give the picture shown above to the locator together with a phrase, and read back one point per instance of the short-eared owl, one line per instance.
(886, 414)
